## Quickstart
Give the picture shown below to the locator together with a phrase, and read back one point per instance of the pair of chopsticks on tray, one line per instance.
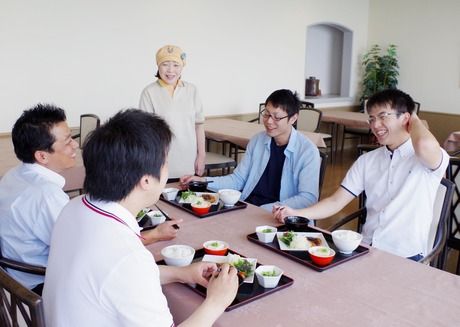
(175, 226)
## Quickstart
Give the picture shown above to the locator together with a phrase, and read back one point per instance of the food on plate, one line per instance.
(188, 196)
(245, 267)
(314, 241)
(297, 241)
(287, 238)
(209, 197)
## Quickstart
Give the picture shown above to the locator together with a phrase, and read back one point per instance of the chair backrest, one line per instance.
(17, 304)
(322, 171)
(417, 107)
(88, 123)
(453, 175)
(438, 230)
(20, 266)
(309, 120)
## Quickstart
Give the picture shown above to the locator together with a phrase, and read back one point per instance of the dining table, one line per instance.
(375, 289)
(240, 132)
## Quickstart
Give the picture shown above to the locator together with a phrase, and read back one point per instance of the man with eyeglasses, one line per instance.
(280, 164)
(400, 179)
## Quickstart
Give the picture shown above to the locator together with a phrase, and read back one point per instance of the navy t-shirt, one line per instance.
(268, 188)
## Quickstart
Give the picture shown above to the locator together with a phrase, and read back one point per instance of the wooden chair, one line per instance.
(88, 123)
(221, 160)
(322, 171)
(453, 241)
(439, 226)
(438, 231)
(16, 302)
(6, 263)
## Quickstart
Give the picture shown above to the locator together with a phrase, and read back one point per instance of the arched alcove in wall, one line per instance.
(328, 58)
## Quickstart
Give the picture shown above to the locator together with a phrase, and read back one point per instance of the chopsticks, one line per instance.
(175, 226)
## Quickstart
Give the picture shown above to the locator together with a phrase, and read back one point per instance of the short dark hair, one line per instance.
(32, 131)
(286, 100)
(396, 99)
(131, 144)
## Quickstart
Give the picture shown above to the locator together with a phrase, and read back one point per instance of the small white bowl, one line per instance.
(265, 236)
(156, 217)
(178, 255)
(346, 241)
(170, 193)
(229, 197)
(268, 281)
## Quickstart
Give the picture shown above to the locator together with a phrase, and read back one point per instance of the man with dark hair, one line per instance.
(400, 179)
(31, 195)
(99, 273)
(280, 164)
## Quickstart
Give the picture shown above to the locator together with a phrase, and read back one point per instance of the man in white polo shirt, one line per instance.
(31, 195)
(99, 272)
(400, 179)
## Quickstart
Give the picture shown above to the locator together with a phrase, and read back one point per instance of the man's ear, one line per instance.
(293, 119)
(41, 157)
(146, 182)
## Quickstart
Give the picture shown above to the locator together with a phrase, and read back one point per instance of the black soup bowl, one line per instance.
(296, 223)
(197, 186)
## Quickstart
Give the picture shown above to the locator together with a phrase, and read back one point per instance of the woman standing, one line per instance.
(179, 104)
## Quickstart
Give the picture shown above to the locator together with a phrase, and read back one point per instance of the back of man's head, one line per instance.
(32, 131)
(396, 99)
(286, 100)
(131, 144)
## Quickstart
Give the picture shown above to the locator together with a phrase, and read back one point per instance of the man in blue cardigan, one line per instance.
(280, 165)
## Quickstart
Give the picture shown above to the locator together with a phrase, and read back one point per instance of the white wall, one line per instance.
(427, 35)
(97, 55)
(323, 58)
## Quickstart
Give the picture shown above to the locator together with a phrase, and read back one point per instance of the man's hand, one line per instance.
(188, 178)
(281, 212)
(223, 286)
(162, 232)
(198, 272)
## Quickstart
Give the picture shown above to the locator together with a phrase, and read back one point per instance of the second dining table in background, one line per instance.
(240, 132)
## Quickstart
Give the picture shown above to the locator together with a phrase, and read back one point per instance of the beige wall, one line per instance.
(427, 35)
(96, 56)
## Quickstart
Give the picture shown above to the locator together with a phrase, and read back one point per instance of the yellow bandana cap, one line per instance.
(170, 53)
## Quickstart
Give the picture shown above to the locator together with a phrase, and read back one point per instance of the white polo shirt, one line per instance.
(31, 198)
(400, 194)
(99, 272)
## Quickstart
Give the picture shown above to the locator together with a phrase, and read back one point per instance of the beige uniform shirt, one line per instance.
(181, 111)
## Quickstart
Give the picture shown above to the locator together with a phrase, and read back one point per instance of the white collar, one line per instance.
(46, 173)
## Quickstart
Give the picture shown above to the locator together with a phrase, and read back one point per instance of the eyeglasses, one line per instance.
(383, 116)
(265, 115)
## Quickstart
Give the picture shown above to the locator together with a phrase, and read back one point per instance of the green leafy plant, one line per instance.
(381, 71)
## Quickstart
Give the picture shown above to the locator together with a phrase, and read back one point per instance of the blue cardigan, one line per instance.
(300, 177)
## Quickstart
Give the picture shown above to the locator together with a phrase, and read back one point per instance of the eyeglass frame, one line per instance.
(275, 119)
(383, 116)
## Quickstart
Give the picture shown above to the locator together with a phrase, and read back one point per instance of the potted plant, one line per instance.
(380, 71)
